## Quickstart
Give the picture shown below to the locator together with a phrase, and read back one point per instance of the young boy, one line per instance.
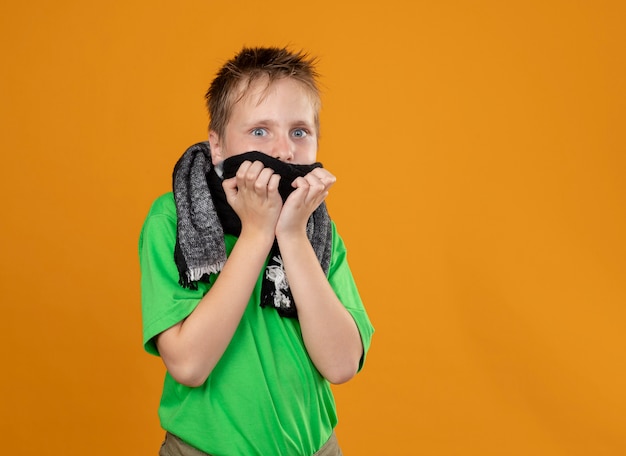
(246, 292)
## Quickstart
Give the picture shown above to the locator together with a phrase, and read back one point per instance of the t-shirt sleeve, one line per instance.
(164, 302)
(342, 282)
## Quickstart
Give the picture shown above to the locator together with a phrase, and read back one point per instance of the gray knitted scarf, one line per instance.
(204, 216)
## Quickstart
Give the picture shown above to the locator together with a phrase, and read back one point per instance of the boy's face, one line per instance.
(278, 120)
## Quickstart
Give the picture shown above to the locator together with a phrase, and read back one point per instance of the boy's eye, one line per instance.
(299, 133)
(259, 132)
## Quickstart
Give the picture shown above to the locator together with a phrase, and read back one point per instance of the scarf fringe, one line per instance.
(195, 274)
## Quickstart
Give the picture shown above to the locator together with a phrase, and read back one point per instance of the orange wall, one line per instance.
(479, 147)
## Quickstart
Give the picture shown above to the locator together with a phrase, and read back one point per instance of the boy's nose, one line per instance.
(283, 149)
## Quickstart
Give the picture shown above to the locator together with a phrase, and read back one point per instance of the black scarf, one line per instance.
(204, 216)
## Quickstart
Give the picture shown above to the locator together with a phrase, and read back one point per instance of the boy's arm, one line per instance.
(192, 348)
(330, 334)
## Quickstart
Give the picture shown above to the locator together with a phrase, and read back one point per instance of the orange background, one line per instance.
(480, 152)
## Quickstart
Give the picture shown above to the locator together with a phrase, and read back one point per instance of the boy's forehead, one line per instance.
(257, 89)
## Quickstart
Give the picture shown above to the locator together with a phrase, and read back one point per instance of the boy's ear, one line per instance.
(216, 148)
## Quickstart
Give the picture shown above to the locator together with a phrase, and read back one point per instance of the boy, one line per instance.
(246, 292)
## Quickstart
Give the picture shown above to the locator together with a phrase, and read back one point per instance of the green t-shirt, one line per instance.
(264, 396)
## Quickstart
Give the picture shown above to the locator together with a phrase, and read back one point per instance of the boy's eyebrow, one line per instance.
(273, 123)
(262, 122)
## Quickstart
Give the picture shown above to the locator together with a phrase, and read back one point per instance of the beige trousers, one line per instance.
(173, 446)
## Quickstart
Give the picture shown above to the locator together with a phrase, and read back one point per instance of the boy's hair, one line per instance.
(249, 65)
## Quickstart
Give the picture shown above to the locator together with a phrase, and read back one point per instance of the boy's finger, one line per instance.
(261, 184)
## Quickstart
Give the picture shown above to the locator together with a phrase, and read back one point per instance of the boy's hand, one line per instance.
(310, 191)
(253, 195)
